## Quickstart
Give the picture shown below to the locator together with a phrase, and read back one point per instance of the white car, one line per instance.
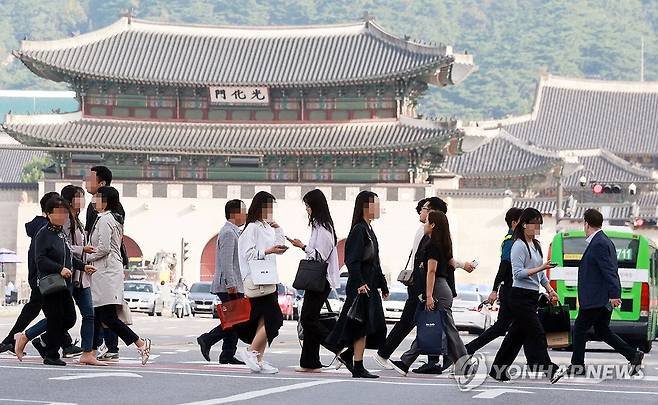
(143, 296)
(335, 302)
(394, 305)
(468, 314)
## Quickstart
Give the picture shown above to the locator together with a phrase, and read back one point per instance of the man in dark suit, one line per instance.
(599, 292)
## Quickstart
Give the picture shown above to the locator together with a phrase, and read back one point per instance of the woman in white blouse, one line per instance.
(259, 243)
(321, 246)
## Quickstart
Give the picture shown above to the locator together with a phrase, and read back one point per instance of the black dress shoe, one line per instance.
(41, 348)
(428, 368)
(71, 351)
(347, 362)
(400, 367)
(205, 348)
(636, 362)
(232, 361)
(53, 362)
(363, 373)
(6, 347)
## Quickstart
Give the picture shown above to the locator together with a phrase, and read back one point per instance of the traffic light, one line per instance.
(644, 223)
(184, 250)
(599, 188)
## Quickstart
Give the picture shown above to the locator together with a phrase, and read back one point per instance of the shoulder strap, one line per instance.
(409, 259)
(328, 305)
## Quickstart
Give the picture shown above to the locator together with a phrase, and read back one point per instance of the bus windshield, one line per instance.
(627, 248)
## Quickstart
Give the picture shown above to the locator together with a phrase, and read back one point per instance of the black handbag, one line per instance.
(358, 311)
(328, 320)
(311, 275)
(52, 283)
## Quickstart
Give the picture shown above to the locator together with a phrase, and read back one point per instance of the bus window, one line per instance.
(573, 249)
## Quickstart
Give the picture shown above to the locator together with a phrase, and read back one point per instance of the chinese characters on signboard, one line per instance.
(239, 95)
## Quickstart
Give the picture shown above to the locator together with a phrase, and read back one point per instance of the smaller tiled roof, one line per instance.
(361, 137)
(574, 113)
(503, 156)
(471, 193)
(13, 157)
(622, 211)
(605, 167)
(148, 52)
(647, 202)
(544, 205)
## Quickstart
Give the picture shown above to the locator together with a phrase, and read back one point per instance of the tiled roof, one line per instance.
(13, 159)
(544, 205)
(621, 117)
(73, 131)
(612, 211)
(503, 155)
(138, 51)
(603, 166)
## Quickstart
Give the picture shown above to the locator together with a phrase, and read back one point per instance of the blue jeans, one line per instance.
(83, 300)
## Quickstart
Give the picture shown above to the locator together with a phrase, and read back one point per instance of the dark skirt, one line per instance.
(266, 307)
(347, 331)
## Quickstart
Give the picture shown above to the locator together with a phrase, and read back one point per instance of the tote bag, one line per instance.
(430, 331)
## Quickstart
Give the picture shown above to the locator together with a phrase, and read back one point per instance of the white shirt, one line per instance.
(590, 237)
(255, 239)
(322, 241)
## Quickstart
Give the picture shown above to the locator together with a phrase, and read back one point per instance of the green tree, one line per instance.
(33, 171)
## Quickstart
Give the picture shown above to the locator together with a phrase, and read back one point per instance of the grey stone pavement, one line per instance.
(178, 374)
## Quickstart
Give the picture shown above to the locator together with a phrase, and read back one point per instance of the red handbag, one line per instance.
(234, 312)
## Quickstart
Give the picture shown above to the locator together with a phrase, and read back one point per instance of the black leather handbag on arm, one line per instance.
(311, 274)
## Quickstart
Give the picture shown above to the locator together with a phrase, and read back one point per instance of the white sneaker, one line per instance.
(383, 363)
(267, 368)
(102, 350)
(250, 359)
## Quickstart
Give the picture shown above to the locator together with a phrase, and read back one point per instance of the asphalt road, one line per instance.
(178, 374)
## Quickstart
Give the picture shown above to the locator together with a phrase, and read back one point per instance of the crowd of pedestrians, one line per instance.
(71, 263)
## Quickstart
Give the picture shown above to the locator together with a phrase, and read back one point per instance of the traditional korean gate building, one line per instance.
(189, 116)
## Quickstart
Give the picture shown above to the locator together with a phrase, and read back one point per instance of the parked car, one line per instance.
(143, 296)
(202, 301)
(469, 315)
(287, 301)
(394, 305)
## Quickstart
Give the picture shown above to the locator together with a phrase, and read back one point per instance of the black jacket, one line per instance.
(31, 228)
(52, 252)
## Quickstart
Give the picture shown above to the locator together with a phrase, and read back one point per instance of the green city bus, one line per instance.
(636, 320)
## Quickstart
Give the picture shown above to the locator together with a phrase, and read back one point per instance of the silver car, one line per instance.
(143, 296)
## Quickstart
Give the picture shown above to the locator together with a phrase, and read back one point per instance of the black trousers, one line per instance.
(315, 333)
(28, 314)
(526, 330)
(107, 315)
(403, 328)
(229, 337)
(500, 328)
(60, 314)
(599, 318)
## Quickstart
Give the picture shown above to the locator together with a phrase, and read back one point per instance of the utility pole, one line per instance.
(642, 60)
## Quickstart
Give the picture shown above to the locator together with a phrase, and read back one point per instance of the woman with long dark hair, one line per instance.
(437, 288)
(322, 247)
(364, 280)
(107, 281)
(75, 236)
(260, 242)
(528, 270)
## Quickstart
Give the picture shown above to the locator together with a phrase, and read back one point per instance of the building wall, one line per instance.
(10, 200)
(156, 223)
